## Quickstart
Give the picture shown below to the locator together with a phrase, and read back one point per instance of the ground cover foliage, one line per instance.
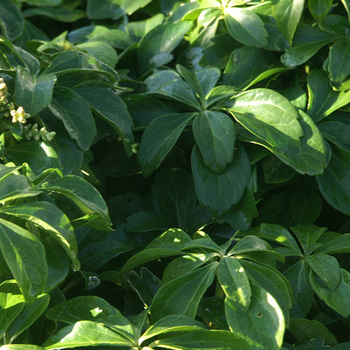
(174, 174)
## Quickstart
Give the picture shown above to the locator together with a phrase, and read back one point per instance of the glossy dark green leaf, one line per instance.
(91, 308)
(59, 13)
(39, 155)
(145, 285)
(33, 93)
(308, 40)
(76, 61)
(85, 333)
(11, 304)
(245, 26)
(308, 236)
(100, 50)
(29, 314)
(183, 294)
(11, 20)
(21, 347)
(215, 136)
(16, 186)
(169, 84)
(346, 4)
(131, 7)
(340, 244)
(204, 340)
(275, 233)
(287, 14)
(335, 180)
(234, 281)
(86, 196)
(109, 106)
(273, 282)
(249, 65)
(141, 28)
(159, 138)
(161, 40)
(25, 256)
(269, 116)
(322, 99)
(219, 192)
(326, 267)
(298, 277)
(319, 8)
(201, 81)
(275, 171)
(303, 330)
(75, 114)
(51, 219)
(262, 326)
(171, 323)
(102, 9)
(335, 24)
(168, 243)
(337, 299)
(338, 64)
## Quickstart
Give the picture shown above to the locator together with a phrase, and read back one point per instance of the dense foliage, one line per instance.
(175, 174)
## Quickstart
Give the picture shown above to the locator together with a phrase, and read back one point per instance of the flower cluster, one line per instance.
(32, 132)
(8, 108)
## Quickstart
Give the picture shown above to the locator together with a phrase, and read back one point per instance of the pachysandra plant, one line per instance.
(174, 174)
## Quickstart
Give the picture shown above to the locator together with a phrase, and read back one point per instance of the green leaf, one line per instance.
(219, 192)
(159, 138)
(85, 333)
(308, 236)
(269, 116)
(169, 84)
(11, 20)
(33, 93)
(319, 8)
(234, 281)
(308, 40)
(249, 65)
(215, 136)
(88, 199)
(171, 323)
(60, 13)
(29, 314)
(201, 81)
(272, 281)
(245, 26)
(304, 330)
(161, 40)
(100, 50)
(203, 340)
(25, 256)
(262, 326)
(131, 7)
(51, 219)
(141, 28)
(338, 63)
(109, 106)
(75, 61)
(337, 299)
(183, 294)
(298, 277)
(326, 267)
(11, 304)
(91, 308)
(39, 155)
(16, 186)
(335, 180)
(287, 14)
(103, 9)
(322, 99)
(168, 243)
(340, 244)
(21, 347)
(275, 233)
(346, 4)
(75, 114)
(312, 157)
